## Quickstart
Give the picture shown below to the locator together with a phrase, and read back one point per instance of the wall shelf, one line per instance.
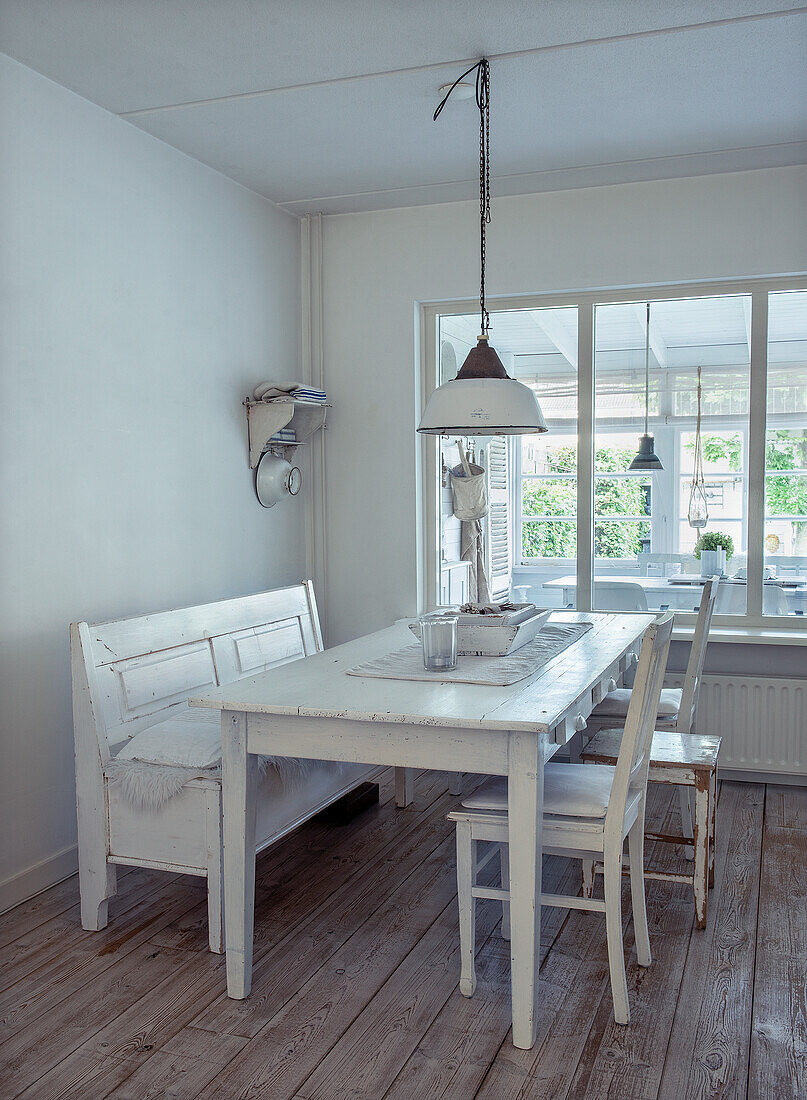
(266, 418)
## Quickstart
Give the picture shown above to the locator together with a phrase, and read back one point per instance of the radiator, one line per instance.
(762, 720)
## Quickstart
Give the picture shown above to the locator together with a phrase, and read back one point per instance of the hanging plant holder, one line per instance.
(698, 511)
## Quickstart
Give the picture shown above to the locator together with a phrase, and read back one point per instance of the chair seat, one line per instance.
(570, 790)
(668, 750)
(615, 704)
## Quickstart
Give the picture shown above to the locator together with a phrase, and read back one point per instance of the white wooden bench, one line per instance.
(137, 673)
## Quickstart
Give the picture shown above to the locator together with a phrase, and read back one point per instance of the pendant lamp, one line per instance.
(698, 511)
(646, 457)
(483, 399)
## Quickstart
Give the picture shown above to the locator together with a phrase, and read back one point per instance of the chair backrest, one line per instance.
(730, 599)
(619, 596)
(135, 672)
(634, 751)
(774, 600)
(697, 654)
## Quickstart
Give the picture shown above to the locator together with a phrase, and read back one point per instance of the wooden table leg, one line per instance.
(525, 800)
(239, 781)
(404, 787)
(700, 832)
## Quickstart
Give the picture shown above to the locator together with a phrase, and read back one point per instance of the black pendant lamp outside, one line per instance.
(483, 399)
(646, 457)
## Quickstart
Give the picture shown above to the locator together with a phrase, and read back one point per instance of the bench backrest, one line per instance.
(136, 671)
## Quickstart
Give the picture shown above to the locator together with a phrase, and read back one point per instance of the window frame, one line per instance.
(585, 302)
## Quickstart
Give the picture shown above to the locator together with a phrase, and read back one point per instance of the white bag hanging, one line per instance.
(469, 485)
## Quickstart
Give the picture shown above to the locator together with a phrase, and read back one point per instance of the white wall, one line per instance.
(142, 296)
(379, 266)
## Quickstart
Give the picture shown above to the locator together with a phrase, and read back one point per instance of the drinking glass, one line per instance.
(438, 635)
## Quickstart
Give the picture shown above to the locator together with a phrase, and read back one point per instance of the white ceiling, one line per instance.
(326, 106)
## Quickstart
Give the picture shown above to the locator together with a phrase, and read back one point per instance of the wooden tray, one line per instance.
(476, 640)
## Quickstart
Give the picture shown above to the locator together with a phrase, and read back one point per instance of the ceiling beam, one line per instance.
(549, 323)
(657, 343)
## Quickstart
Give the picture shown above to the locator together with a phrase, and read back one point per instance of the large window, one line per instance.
(785, 530)
(580, 517)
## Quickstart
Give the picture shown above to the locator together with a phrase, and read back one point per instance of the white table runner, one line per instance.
(407, 663)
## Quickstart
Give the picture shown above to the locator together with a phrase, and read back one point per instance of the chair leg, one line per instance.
(467, 907)
(712, 822)
(685, 804)
(504, 857)
(215, 873)
(701, 869)
(97, 879)
(588, 878)
(97, 884)
(613, 925)
(455, 783)
(636, 854)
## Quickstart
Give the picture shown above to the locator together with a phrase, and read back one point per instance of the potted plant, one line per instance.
(713, 548)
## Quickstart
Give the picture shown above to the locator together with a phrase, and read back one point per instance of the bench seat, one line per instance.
(132, 679)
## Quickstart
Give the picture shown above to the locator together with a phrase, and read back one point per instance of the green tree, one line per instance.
(785, 495)
(557, 538)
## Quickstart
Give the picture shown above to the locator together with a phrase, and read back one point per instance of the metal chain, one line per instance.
(483, 103)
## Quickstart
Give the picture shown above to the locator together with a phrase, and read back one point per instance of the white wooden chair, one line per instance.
(137, 674)
(588, 813)
(620, 596)
(677, 706)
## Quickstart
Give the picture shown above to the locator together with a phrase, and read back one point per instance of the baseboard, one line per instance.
(740, 775)
(33, 880)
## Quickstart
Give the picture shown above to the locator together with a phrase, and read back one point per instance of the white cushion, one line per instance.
(615, 703)
(570, 790)
(191, 738)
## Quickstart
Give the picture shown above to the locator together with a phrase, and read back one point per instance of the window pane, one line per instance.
(549, 539)
(651, 542)
(544, 343)
(785, 591)
(539, 348)
(549, 497)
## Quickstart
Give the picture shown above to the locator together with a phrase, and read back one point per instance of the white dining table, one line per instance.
(312, 708)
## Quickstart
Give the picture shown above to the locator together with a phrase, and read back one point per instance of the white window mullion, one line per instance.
(757, 426)
(585, 455)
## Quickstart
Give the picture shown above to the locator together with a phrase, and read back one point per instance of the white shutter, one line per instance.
(497, 540)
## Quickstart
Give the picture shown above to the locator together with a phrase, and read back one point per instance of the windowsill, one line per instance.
(745, 635)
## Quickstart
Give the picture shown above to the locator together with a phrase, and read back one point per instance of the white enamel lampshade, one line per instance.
(482, 400)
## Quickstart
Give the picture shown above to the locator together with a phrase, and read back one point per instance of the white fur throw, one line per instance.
(157, 762)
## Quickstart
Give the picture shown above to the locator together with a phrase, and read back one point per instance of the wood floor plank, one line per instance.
(181, 1069)
(333, 850)
(778, 1064)
(23, 1005)
(629, 1060)
(452, 1057)
(186, 992)
(355, 992)
(372, 1051)
(349, 903)
(708, 1050)
(56, 1033)
(786, 806)
(291, 1045)
(27, 954)
(575, 994)
(63, 898)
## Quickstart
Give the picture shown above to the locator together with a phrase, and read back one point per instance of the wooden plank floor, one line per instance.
(356, 970)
